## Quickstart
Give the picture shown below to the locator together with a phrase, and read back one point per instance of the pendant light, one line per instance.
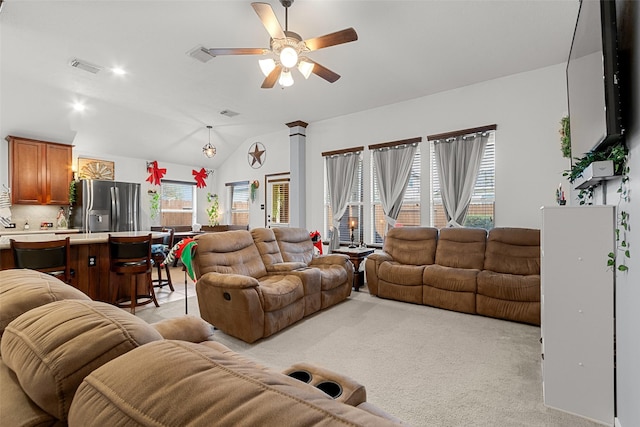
(209, 150)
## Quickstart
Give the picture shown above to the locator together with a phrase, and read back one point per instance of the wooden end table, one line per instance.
(356, 255)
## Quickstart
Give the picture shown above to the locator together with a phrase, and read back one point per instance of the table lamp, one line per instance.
(353, 224)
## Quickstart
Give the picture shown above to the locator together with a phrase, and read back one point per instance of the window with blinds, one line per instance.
(177, 203)
(410, 210)
(354, 209)
(239, 202)
(482, 207)
(279, 202)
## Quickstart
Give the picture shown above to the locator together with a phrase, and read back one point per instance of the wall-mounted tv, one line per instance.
(593, 85)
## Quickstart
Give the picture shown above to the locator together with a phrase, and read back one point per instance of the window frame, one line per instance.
(194, 202)
(233, 188)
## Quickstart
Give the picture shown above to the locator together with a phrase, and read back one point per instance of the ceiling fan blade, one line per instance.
(272, 78)
(237, 51)
(324, 72)
(269, 20)
(339, 37)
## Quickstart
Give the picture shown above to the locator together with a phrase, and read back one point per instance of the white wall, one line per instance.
(526, 107)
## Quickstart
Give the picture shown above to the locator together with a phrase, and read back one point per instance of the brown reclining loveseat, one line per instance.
(251, 285)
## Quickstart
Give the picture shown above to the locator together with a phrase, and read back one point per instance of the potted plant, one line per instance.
(213, 209)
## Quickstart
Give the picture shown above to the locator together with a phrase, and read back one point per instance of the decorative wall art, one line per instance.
(95, 169)
(256, 155)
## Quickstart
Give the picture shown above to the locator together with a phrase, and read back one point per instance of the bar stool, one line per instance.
(159, 254)
(52, 257)
(131, 256)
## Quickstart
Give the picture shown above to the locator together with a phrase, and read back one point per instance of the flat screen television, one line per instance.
(593, 85)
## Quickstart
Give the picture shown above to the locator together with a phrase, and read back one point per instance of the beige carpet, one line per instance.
(427, 366)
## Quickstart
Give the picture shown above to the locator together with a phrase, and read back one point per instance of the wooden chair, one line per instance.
(52, 257)
(159, 255)
(131, 256)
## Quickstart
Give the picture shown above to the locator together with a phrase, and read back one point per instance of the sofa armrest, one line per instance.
(380, 257)
(221, 280)
(338, 386)
(285, 267)
(330, 259)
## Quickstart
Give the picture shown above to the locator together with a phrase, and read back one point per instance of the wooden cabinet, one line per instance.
(577, 294)
(39, 171)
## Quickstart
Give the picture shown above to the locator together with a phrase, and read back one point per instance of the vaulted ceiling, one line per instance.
(161, 107)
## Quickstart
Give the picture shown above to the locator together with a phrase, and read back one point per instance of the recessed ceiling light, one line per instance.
(118, 71)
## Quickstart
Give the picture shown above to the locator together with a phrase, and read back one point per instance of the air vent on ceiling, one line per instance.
(200, 53)
(84, 65)
(229, 113)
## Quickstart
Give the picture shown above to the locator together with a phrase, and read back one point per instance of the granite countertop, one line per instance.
(75, 238)
(13, 231)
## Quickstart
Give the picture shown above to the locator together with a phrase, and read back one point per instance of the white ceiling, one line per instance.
(160, 109)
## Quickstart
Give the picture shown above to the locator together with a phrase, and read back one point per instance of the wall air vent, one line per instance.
(200, 53)
(84, 65)
(229, 113)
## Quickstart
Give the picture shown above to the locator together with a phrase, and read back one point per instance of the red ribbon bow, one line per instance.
(155, 173)
(200, 177)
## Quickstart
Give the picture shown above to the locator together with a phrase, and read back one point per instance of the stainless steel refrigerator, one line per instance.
(103, 206)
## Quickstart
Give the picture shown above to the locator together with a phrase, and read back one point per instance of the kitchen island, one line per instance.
(89, 259)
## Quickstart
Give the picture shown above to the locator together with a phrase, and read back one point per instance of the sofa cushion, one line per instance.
(279, 291)
(401, 274)
(52, 348)
(265, 241)
(513, 251)
(412, 245)
(295, 244)
(332, 276)
(16, 409)
(210, 388)
(509, 287)
(461, 247)
(451, 279)
(228, 252)
(21, 290)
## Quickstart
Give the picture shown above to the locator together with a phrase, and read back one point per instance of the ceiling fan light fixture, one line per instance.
(267, 66)
(288, 57)
(286, 79)
(209, 150)
(305, 67)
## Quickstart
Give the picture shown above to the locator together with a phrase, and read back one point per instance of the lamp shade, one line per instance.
(353, 222)
(286, 79)
(288, 57)
(267, 66)
(305, 67)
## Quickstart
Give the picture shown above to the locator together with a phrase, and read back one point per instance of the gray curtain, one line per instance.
(458, 160)
(341, 172)
(393, 170)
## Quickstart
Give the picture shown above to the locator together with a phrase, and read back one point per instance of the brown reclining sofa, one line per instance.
(253, 284)
(494, 274)
(68, 360)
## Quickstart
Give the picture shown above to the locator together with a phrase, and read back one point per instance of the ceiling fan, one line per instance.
(288, 50)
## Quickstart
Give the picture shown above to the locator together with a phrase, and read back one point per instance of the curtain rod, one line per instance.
(344, 151)
(395, 143)
(461, 132)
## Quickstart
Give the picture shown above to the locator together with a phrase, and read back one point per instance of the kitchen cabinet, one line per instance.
(39, 171)
(578, 313)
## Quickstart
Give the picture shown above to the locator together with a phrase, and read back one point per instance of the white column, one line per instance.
(297, 185)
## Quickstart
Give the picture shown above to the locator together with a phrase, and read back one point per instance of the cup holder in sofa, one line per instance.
(303, 376)
(333, 389)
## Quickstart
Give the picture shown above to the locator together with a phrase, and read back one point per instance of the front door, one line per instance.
(277, 200)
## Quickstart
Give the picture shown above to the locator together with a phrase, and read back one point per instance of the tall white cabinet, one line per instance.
(577, 296)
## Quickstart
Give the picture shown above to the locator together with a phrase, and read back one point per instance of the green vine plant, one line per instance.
(565, 137)
(154, 203)
(622, 228)
(72, 192)
(213, 209)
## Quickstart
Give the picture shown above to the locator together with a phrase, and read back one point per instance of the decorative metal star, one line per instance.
(256, 155)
